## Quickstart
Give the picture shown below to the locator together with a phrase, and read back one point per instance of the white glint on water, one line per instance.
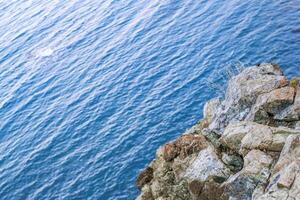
(44, 52)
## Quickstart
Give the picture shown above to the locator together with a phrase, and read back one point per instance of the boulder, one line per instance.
(288, 176)
(144, 177)
(185, 145)
(285, 179)
(290, 153)
(233, 161)
(207, 165)
(242, 92)
(211, 136)
(258, 137)
(256, 171)
(241, 137)
(205, 175)
(234, 133)
(210, 109)
(276, 103)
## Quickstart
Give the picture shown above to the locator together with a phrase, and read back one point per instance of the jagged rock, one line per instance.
(180, 191)
(258, 137)
(210, 109)
(159, 189)
(212, 191)
(244, 136)
(209, 190)
(288, 114)
(207, 165)
(179, 166)
(289, 153)
(247, 147)
(256, 171)
(233, 161)
(184, 146)
(288, 176)
(145, 177)
(146, 193)
(297, 126)
(211, 137)
(285, 178)
(242, 92)
(189, 144)
(276, 103)
(170, 152)
(234, 133)
(297, 100)
(257, 162)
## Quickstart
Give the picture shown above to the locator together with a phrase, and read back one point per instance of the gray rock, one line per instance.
(297, 101)
(275, 102)
(288, 114)
(289, 153)
(234, 133)
(207, 165)
(288, 175)
(256, 171)
(284, 131)
(285, 178)
(242, 92)
(244, 136)
(258, 137)
(233, 161)
(211, 137)
(297, 126)
(210, 109)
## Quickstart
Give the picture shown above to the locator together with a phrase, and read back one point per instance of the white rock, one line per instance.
(210, 109)
(242, 92)
(206, 165)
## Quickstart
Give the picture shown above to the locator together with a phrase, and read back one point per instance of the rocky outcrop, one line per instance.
(246, 147)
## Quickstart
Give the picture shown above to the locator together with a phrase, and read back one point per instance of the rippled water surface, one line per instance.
(90, 89)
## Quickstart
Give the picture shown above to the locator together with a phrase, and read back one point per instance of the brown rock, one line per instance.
(146, 193)
(297, 101)
(289, 153)
(189, 144)
(170, 151)
(145, 177)
(271, 103)
(288, 176)
(283, 82)
(184, 146)
(195, 188)
(212, 191)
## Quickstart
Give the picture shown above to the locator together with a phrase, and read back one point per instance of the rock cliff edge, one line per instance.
(247, 146)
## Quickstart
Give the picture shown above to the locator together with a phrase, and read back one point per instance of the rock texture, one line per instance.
(246, 147)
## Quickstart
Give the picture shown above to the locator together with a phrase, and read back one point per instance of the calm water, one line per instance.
(90, 89)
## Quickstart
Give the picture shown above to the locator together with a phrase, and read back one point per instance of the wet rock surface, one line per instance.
(247, 146)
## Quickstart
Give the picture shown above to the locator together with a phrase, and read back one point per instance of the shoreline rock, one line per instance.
(246, 146)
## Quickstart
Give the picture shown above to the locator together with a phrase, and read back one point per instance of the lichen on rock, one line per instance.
(246, 146)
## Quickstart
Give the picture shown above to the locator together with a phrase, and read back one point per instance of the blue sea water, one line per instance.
(90, 89)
